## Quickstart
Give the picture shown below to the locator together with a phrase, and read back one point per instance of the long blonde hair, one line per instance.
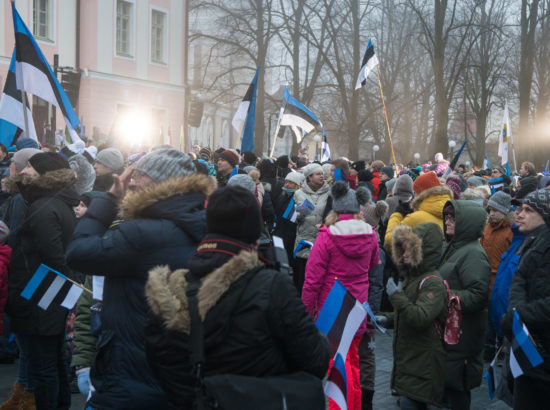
(332, 218)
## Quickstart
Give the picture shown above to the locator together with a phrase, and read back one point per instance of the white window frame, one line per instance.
(132, 31)
(50, 38)
(164, 61)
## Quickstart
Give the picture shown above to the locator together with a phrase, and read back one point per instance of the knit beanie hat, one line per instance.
(20, 158)
(476, 181)
(110, 157)
(25, 142)
(4, 232)
(413, 175)
(282, 161)
(454, 184)
(358, 165)
(346, 200)
(388, 171)
(539, 200)
(311, 169)
(390, 184)
(295, 177)
(48, 161)
(205, 154)
(500, 201)
(164, 164)
(87, 197)
(233, 211)
(500, 169)
(365, 176)
(425, 181)
(439, 157)
(403, 188)
(244, 181)
(230, 156)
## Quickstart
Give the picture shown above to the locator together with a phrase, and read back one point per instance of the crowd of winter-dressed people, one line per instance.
(173, 245)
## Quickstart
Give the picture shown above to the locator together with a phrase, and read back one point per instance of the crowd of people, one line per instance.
(140, 232)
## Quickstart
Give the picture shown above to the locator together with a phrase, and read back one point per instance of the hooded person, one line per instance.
(254, 323)
(316, 192)
(426, 206)
(108, 162)
(163, 220)
(402, 193)
(46, 184)
(420, 306)
(347, 249)
(441, 164)
(465, 267)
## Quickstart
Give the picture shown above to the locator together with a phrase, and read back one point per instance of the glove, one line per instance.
(381, 320)
(83, 380)
(303, 212)
(404, 208)
(391, 287)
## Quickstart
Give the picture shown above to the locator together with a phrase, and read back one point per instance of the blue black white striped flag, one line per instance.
(296, 114)
(523, 354)
(12, 120)
(245, 117)
(492, 381)
(325, 150)
(47, 285)
(337, 385)
(369, 62)
(34, 74)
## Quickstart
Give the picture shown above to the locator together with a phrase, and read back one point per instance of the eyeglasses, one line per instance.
(521, 209)
(495, 171)
(449, 218)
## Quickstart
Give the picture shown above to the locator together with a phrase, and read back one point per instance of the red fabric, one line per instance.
(376, 184)
(5, 254)
(352, 375)
(352, 181)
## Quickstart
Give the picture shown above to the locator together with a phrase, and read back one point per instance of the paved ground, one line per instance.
(383, 399)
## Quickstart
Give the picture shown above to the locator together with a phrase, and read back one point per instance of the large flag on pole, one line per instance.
(296, 114)
(12, 120)
(325, 150)
(244, 118)
(34, 74)
(505, 133)
(369, 62)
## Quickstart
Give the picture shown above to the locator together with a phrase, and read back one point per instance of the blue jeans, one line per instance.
(46, 371)
(23, 368)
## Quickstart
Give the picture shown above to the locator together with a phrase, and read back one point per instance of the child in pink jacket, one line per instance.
(345, 249)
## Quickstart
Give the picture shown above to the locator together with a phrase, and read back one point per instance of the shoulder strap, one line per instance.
(426, 278)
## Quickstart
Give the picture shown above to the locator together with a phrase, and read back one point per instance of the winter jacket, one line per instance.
(307, 229)
(418, 351)
(466, 268)
(346, 251)
(530, 297)
(496, 239)
(14, 212)
(5, 254)
(501, 288)
(427, 206)
(162, 225)
(41, 239)
(84, 341)
(103, 183)
(376, 184)
(254, 324)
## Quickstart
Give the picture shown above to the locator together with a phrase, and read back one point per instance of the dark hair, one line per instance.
(249, 157)
(342, 164)
(3, 148)
(268, 169)
(201, 168)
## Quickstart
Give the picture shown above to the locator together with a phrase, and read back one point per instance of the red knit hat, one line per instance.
(230, 156)
(425, 181)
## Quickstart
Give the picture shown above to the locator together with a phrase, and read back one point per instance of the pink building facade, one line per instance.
(131, 59)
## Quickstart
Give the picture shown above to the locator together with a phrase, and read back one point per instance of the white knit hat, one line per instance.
(311, 169)
(295, 177)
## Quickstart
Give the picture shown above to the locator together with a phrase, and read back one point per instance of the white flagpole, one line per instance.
(24, 101)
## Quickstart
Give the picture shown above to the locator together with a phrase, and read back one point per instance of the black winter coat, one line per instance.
(530, 296)
(254, 324)
(162, 226)
(42, 237)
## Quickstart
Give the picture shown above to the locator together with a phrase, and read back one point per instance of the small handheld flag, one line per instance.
(369, 62)
(302, 245)
(492, 381)
(337, 385)
(244, 118)
(47, 284)
(524, 354)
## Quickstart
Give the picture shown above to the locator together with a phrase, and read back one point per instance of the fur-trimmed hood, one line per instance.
(138, 204)
(439, 191)
(165, 290)
(422, 244)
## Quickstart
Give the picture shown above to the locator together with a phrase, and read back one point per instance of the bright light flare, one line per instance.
(134, 127)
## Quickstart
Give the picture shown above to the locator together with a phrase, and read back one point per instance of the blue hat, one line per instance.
(26, 142)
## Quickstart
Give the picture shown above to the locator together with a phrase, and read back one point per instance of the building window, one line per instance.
(124, 10)
(158, 35)
(42, 19)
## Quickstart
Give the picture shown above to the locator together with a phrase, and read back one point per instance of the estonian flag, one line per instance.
(12, 120)
(492, 381)
(340, 317)
(503, 137)
(244, 118)
(325, 150)
(337, 386)
(369, 62)
(290, 211)
(486, 163)
(47, 284)
(35, 75)
(296, 114)
(524, 354)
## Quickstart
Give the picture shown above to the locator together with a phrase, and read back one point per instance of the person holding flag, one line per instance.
(530, 300)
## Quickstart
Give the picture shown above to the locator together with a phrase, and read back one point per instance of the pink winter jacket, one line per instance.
(345, 251)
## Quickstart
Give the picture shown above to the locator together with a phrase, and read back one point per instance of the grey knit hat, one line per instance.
(21, 157)
(295, 177)
(164, 164)
(311, 169)
(476, 181)
(346, 200)
(403, 188)
(244, 181)
(500, 201)
(390, 184)
(110, 157)
(388, 170)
